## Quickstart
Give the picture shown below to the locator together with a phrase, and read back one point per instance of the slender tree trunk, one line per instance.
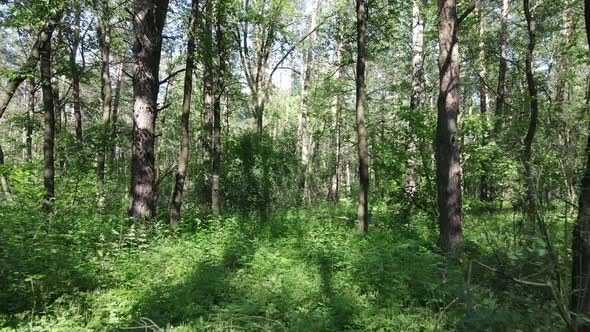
(501, 93)
(304, 143)
(3, 179)
(484, 194)
(104, 37)
(29, 66)
(346, 166)
(114, 117)
(184, 119)
(76, 73)
(29, 126)
(363, 151)
(527, 155)
(49, 110)
(417, 87)
(448, 165)
(148, 23)
(208, 98)
(336, 174)
(580, 300)
(222, 57)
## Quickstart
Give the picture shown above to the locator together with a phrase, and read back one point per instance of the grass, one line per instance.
(302, 270)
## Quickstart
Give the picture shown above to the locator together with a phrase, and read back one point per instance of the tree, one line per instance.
(363, 150)
(580, 301)
(222, 58)
(502, 66)
(49, 110)
(417, 87)
(148, 22)
(185, 117)
(75, 70)
(448, 166)
(527, 154)
(104, 40)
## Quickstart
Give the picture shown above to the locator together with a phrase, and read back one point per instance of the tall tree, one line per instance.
(49, 111)
(484, 194)
(148, 22)
(363, 150)
(104, 39)
(185, 117)
(304, 139)
(75, 70)
(580, 299)
(336, 141)
(221, 69)
(502, 67)
(29, 124)
(448, 165)
(417, 82)
(527, 154)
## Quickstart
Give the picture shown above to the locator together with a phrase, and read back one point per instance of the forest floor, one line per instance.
(302, 270)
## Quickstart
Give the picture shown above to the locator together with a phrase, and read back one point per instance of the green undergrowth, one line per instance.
(301, 270)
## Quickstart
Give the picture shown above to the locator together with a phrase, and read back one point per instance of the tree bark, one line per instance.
(417, 87)
(222, 58)
(304, 139)
(363, 150)
(104, 38)
(76, 73)
(3, 179)
(336, 106)
(527, 155)
(208, 98)
(29, 126)
(184, 119)
(448, 165)
(148, 22)
(580, 301)
(49, 111)
(115, 116)
(29, 66)
(484, 194)
(503, 66)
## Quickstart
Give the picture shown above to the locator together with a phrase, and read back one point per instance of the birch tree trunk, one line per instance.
(104, 37)
(363, 151)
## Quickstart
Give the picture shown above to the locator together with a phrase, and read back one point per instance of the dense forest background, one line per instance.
(310, 165)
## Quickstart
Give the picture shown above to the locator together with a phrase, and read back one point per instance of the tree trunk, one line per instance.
(29, 126)
(363, 151)
(448, 166)
(580, 301)
(208, 98)
(336, 106)
(76, 73)
(417, 82)
(3, 179)
(114, 117)
(222, 57)
(148, 23)
(484, 195)
(527, 155)
(104, 37)
(501, 93)
(184, 119)
(29, 66)
(304, 139)
(49, 111)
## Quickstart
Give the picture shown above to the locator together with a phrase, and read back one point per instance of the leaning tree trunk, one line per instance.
(580, 300)
(363, 150)
(148, 23)
(104, 37)
(417, 82)
(527, 155)
(29, 66)
(222, 57)
(448, 165)
(49, 111)
(184, 119)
